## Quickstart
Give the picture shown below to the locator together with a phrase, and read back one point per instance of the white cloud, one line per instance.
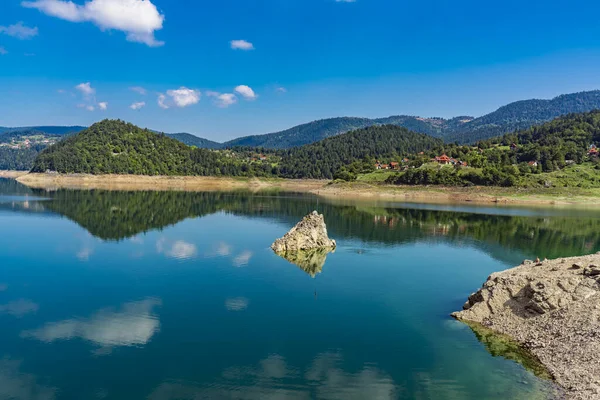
(19, 308)
(139, 90)
(86, 89)
(90, 108)
(223, 100)
(139, 19)
(161, 101)
(281, 89)
(242, 259)
(19, 31)
(241, 45)
(138, 105)
(103, 105)
(246, 92)
(3, 51)
(184, 97)
(133, 325)
(345, 1)
(236, 304)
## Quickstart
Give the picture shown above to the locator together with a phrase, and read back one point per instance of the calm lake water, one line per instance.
(164, 295)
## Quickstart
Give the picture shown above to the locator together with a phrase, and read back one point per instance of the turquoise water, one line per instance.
(162, 295)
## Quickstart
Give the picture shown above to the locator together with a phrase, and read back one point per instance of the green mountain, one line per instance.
(327, 157)
(193, 140)
(302, 134)
(117, 147)
(522, 115)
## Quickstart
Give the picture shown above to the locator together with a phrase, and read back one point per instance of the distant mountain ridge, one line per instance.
(462, 129)
(50, 130)
(193, 140)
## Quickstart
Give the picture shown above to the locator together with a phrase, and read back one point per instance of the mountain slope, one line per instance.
(522, 115)
(323, 159)
(302, 134)
(463, 129)
(193, 140)
(50, 130)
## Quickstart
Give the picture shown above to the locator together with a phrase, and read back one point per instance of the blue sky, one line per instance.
(300, 60)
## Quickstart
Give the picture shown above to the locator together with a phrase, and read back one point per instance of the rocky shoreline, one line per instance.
(552, 308)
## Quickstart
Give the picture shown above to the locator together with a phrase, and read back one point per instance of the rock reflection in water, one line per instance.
(310, 261)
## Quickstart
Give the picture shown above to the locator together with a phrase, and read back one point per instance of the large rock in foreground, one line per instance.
(308, 234)
(552, 308)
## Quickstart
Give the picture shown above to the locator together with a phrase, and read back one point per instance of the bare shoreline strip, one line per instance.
(344, 191)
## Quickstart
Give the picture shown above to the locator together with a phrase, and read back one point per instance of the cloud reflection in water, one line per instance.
(19, 308)
(133, 325)
(273, 378)
(15, 385)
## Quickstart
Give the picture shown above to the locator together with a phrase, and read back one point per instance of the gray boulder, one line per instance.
(308, 234)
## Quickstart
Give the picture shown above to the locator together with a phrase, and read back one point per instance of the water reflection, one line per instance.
(505, 234)
(133, 325)
(309, 261)
(19, 308)
(242, 259)
(178, 249)
(275, 378)
(237, 304)
(16, 385)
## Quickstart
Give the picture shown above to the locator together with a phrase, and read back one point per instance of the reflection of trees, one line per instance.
(502, 346)
(13, 188)
(310, 261)
(118, 215)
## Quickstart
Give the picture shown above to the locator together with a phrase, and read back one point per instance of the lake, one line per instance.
(176, 295)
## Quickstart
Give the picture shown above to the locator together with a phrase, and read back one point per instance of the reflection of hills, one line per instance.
(119, 215)
(310, 261)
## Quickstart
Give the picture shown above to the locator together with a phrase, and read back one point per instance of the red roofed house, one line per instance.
(443, 159)
(533, 163)
(394, 165)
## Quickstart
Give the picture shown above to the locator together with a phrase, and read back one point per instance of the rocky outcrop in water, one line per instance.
(552, 308)
(308, 234)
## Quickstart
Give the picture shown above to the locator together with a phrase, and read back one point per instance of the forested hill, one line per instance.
(116, 147)
(551, 144)
(330, 156)
(522, 115)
